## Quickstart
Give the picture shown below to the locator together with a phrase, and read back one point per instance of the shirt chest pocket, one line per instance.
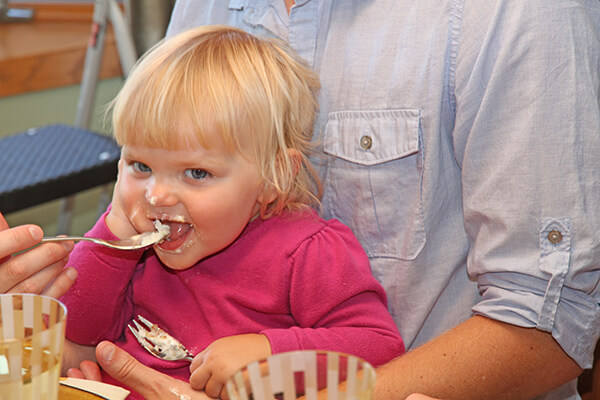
(373, 179)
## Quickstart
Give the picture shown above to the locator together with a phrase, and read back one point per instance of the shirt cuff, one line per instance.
(574, 323)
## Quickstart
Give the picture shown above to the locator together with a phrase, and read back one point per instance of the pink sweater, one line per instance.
(304, 282)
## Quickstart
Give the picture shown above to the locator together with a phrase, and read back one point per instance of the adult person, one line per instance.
(39, 270)
(459, 140)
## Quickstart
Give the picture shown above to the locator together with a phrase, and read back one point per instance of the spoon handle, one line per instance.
(125, 244)
(64, 239)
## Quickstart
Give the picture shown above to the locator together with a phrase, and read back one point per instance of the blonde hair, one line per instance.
(252, 92)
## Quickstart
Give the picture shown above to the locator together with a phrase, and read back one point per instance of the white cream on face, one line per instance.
(161, 228)
(206, 212)
(162, 231)
(179, 218)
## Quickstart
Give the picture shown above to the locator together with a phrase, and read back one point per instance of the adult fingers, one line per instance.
(75, 373)
(33, 270)
(61, 284)
(90, 370)
(87, 370)
(149, 383)
(121, 366)
(37, 281)
(14, 240)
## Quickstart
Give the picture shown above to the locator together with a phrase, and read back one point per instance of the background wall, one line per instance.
(147, 19)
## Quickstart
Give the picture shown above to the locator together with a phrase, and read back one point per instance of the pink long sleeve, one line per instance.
(303, 282)
(336, 302)
(100, 300)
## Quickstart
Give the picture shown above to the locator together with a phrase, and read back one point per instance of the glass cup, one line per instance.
(310, 374)
(32, 335)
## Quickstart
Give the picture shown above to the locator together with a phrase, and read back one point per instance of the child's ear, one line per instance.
(269, 195)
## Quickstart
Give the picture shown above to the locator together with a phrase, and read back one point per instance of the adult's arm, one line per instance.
(526, 139)
(25, 269)
(479, 359)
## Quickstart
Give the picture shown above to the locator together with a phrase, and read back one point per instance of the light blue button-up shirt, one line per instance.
(460, 140)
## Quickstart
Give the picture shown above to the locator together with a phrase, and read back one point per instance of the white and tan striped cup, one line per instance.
(32, 334)
(310, 374)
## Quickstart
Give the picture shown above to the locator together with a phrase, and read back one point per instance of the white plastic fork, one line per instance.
(158, 342)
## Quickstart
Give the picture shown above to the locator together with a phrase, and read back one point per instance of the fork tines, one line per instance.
(140, 334)
(144, 321)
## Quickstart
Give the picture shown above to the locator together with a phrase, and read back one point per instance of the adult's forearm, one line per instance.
(481, 358)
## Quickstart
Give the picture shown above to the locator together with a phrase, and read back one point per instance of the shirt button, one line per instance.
(366, 142)
(555, 236)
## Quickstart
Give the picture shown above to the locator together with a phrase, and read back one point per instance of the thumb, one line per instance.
(126, 369)
(149, 383)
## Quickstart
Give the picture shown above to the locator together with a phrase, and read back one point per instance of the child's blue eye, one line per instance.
(197, 174)
(141, 167)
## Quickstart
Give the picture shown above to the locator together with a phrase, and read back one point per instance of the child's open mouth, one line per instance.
(179, 232)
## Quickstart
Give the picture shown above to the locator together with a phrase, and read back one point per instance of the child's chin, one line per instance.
(175, 263)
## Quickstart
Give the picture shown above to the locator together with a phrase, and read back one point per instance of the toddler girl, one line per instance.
(215, 127)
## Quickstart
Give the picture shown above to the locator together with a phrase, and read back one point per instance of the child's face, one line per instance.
(206, 196)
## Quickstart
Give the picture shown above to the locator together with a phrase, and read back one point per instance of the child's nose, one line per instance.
(160, 194)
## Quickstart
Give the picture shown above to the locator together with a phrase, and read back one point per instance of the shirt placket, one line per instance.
(303, 24)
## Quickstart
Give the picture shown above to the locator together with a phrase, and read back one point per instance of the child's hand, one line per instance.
(117, 219)
(214, 365)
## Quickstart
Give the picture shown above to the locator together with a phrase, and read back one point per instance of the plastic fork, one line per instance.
(158, 342)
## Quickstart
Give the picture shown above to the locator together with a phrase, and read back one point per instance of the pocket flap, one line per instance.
(371, 137)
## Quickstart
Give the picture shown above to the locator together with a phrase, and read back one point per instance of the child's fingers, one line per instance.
(214, 386)
(200, 375)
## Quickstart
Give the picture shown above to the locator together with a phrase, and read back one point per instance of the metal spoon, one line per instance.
(135, 242)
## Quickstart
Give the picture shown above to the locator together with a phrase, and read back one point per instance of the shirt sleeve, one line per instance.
(527, 137)
(98, 304)
(336, 302)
